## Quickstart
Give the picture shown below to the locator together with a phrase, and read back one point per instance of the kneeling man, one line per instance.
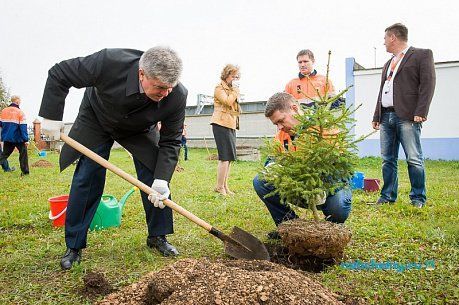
(281, 109)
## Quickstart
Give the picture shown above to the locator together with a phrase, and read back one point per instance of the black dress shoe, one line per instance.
(162, 245)
(70, 256)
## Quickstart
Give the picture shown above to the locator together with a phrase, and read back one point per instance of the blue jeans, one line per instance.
(393, 132)
(85, 193)
(336, 208)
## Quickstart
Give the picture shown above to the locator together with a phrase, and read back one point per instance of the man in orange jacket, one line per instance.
(281, 109)
(14, 133)
(306, 87)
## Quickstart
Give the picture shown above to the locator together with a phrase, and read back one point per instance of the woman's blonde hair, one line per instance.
(228, 70)
(15, 98)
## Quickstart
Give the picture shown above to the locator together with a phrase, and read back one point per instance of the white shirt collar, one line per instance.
(403, 51)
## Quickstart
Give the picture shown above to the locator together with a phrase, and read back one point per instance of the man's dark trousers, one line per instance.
(5, 165)
(87, 189)
(8, 148)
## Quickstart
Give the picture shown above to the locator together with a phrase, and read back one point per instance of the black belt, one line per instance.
(388, 109)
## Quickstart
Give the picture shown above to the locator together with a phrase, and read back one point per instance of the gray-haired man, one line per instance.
(127, 93)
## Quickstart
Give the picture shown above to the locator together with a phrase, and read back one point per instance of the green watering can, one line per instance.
(109, 211)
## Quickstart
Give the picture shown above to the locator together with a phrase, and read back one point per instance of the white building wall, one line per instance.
(440, 133)
(442, 120)
(252, 125)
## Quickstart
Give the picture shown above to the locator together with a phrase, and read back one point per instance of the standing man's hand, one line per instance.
(375, 125)
(419, 119)
(52, 129)
(163, 192)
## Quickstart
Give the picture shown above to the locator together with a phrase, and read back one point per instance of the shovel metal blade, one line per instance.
(243, 245)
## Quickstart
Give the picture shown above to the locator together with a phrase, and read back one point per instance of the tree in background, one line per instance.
(4, 96)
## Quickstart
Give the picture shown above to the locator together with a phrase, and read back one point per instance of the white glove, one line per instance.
(52, 129)
(163, 192)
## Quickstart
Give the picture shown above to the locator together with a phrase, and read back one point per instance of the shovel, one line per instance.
(239, 244)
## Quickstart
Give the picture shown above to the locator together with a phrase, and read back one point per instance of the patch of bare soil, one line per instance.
(212, 157)
(322, 239)
(312, 266)
(42, 163)
(237, 282)
(179, 169)
(95, 285)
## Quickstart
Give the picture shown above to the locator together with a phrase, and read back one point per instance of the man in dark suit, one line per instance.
(127, 93)
(405, 94)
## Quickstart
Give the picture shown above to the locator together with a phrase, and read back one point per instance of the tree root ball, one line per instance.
(237, 282)
(322, 239)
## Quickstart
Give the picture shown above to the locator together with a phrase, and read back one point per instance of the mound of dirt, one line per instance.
(179, 169)
(212, 157)
(322, 239)
(42, 163)
(237, 282)
(95, 285)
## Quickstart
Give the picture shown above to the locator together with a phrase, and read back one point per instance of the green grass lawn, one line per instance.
(30, 248)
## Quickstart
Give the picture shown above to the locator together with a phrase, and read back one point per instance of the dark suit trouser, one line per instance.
(8, 148)
(87, 189)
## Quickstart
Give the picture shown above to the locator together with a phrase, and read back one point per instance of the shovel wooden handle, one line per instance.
(142, 186)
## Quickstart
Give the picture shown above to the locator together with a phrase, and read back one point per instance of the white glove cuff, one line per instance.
(51, 124)
(160, 183)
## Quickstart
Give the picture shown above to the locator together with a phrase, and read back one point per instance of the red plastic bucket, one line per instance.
(371, 185)
(57, 209)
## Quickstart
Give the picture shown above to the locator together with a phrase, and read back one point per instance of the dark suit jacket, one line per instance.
(413, 85)
(113, 109)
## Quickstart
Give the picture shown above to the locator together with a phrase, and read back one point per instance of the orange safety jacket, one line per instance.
(297, 86)
(13, 124)
(286, 140)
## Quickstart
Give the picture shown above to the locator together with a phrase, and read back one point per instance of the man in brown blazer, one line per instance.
(407, 88)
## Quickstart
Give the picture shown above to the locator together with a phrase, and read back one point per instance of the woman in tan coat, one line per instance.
(225, 121)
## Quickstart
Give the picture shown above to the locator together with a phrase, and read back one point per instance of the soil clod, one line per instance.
(95, 285)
